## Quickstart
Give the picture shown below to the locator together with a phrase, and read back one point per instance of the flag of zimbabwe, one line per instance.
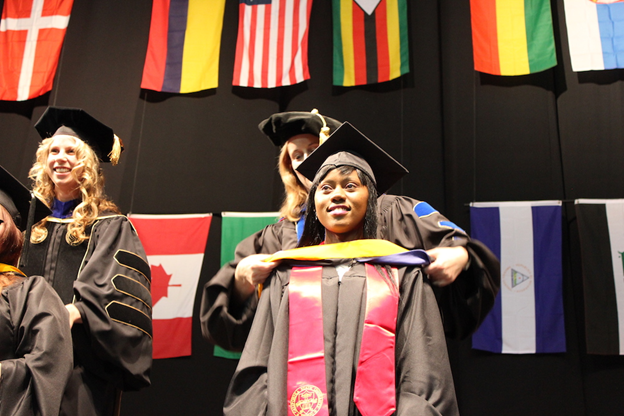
(369, 46)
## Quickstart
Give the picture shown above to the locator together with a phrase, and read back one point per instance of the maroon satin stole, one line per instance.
(375, 391)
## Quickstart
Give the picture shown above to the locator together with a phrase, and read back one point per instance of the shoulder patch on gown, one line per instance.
(423, 209)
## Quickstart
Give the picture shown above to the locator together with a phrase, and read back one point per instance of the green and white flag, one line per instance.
(235, 227)
(601, 233)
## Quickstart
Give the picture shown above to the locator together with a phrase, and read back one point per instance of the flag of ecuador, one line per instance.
(369, 47)
(512, 37)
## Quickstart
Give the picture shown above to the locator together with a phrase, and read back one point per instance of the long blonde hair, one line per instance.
(91, 186)
(296, 192)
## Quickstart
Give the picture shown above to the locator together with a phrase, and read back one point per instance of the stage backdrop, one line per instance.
(463, 135)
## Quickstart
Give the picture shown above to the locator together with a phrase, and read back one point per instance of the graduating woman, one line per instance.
(92, 257)
(465, 271)
(35, 346)
(349, 325)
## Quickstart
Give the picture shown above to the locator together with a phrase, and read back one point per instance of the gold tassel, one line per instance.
(324, 133)
(115, 154)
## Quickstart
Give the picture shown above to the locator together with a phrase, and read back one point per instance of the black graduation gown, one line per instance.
(424, 384)
(35, 349)
(107, 278)
(464, 303)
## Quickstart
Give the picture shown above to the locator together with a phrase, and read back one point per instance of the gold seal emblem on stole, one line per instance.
(307, 400)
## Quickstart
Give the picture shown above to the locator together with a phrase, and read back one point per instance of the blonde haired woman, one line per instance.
(298, 134)
(35, 346)
(81, 183)
(464, 270)
(93, 258)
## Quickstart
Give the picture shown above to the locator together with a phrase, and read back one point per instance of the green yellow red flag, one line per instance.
(512, 37)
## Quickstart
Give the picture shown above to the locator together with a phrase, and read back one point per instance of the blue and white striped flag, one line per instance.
(595, 33)
(527, 317)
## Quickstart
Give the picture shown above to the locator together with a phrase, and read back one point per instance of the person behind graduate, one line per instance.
(92, 257)
(346, 324)
(466, 271)
(35, 346)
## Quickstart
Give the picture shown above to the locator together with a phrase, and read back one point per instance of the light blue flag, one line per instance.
(595, 34)
(527, 317)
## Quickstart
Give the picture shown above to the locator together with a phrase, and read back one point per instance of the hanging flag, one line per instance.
(235, 227)
(528, 312)
(272, 44)
(370, 41)
(512, 37)
(595, 33)
(184, 44)
(31, 37)
(175, 246)
(601, 233)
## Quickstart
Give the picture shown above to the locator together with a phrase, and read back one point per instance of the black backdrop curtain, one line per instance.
(463, 135)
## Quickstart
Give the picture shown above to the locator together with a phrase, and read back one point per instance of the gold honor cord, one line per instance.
(5, 268)
(349, 250)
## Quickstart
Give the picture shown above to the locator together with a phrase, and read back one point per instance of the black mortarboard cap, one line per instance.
(282, 126)
(77, 122)
(347, 146)
(18, 200)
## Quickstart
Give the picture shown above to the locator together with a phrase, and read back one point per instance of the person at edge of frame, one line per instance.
(35, 348)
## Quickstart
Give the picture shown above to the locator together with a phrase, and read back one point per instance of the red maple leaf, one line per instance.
(160, 283)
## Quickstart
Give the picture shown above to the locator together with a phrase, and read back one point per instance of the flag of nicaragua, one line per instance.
(527, 316)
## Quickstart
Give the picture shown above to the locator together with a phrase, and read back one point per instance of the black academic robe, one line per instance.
(107, 278)
(424, 384)
(463, 304)
(35, 349)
